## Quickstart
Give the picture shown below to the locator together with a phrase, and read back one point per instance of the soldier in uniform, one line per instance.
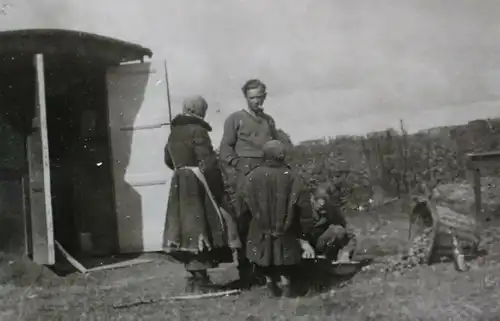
(245, 133)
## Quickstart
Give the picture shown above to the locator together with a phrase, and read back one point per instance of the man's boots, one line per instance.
(245, 275)
(249, 276)
(199, 282)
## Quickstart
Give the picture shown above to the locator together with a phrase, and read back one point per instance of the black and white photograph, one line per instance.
(253, 160)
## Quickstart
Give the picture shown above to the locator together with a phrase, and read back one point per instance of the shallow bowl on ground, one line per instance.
(345, 268)
(340, 268)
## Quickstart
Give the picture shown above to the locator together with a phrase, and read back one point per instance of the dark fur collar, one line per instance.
(182, 120)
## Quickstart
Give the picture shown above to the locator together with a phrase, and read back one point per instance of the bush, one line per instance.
(339, 161)
(394, 161)
(391, 162)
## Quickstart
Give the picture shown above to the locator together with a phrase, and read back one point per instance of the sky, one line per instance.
(332, 67)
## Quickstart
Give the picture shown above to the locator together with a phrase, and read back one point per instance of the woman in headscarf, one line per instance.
(273, 197)
(195, 233)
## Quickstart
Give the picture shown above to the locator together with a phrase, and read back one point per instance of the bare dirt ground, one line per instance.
(435, 292)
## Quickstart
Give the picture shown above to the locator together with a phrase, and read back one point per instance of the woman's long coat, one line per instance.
(190, 212)
(274, 197)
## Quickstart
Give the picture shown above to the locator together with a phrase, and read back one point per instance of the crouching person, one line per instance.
(328, 233)
(195, 231)
(269, 197)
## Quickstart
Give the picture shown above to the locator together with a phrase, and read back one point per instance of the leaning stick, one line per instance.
(77, 265)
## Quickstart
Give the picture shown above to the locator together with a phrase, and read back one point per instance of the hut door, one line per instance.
(139, 127)
(42, 234)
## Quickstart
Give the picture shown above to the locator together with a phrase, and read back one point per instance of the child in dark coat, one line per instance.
(271, 196)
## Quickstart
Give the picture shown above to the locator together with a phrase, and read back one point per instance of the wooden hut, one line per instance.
(83, 123)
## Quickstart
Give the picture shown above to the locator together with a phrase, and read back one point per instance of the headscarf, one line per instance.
(274, 150)
(195, 106)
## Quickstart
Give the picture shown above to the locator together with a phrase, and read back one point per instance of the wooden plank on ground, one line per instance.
(177, 298)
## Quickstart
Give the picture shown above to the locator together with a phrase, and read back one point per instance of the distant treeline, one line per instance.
(393, 161)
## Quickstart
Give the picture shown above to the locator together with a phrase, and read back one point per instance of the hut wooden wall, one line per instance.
(12, 166)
